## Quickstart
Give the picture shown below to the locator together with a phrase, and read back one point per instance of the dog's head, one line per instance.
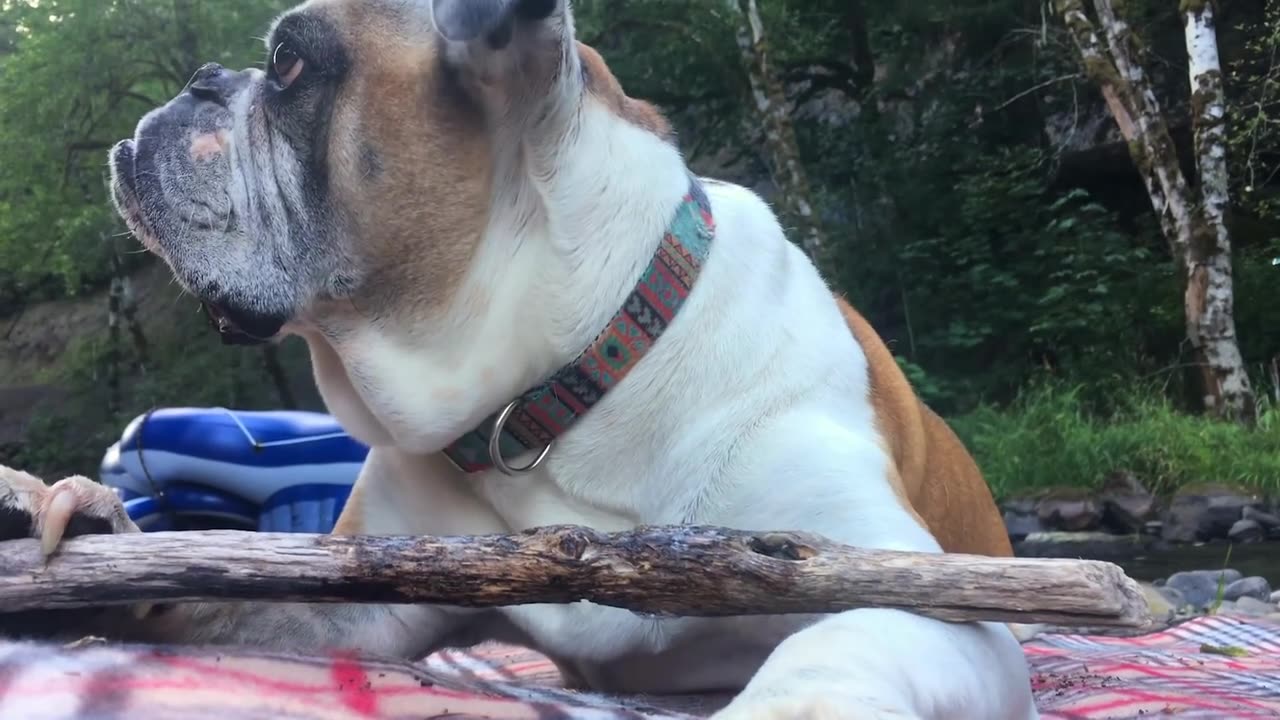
(353, 169)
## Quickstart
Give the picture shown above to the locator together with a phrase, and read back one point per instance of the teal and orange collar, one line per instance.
(533, 421)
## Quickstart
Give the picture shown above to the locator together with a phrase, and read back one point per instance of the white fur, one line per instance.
(752, 411)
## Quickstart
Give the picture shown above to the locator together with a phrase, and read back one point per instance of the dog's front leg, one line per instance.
(393, 495)
(395, 631)
(876, 663)
(866, 663)
(396, 494)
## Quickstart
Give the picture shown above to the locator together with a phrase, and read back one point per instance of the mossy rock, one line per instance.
(1217, 489)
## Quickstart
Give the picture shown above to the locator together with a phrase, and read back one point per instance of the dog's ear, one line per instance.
(491, 21)
(516, 52)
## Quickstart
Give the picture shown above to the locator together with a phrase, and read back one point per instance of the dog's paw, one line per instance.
(52, 513)
(809, 708)
(70, 507)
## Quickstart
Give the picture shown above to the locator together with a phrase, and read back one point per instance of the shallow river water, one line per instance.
(1259, 559)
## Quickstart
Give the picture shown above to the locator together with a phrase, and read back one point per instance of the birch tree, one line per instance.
(1209, 281)
(1193, 220)
(773, 112)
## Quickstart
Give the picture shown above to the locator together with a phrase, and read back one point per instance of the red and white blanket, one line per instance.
(1209, 668)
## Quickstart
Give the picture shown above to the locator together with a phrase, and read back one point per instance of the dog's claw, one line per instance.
(61, 506)
(72, 507)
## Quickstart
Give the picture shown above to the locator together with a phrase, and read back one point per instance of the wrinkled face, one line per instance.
(351, 164)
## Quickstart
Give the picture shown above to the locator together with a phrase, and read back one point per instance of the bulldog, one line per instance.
(518, 295)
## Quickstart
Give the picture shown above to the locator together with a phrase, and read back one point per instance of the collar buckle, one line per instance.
(495, 445)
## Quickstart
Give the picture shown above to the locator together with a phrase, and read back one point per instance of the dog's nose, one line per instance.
(215, 83)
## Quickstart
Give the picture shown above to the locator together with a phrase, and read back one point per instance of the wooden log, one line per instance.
(668, 571)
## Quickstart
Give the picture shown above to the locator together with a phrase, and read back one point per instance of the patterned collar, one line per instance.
(533, 421)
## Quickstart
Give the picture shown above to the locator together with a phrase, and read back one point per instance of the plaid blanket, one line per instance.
(1208, 668)
(1214, 667)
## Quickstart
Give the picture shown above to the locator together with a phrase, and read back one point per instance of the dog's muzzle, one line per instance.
(232, 333)
(160, 187)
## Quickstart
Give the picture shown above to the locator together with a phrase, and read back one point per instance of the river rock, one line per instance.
(1269, 521)
(1205, 513)
(1175, 599)
(1275, 597)
(1226, 607)
(1247, 531)
(1090, 545)
(1021, 518)
(1253, 587)
(1069, 512)
(1254, 607)
(1200, 587)
(1162, 602)
(1126, 504)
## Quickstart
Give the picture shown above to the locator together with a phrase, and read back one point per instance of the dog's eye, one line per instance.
(286, 65)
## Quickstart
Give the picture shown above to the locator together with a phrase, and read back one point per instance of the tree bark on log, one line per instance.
(773, 111)
(665, 571)
(1194, 225)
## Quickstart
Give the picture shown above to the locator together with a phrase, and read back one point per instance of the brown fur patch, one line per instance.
(936, 477)
(417, 220)
(603, 86)
(351, 519)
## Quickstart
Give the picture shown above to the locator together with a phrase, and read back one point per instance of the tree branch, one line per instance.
(688, 571)
(132, 95)
(780, 145)
(1034, 88)
(1132, 102)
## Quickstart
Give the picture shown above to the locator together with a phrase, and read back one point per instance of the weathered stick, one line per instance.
(660, 570)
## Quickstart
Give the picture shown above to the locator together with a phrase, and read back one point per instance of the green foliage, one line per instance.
(924, 129)
(1220, 594)
(1050, 438)
(189, 367)
(1253, 82)
(77, 76)
(985, 275)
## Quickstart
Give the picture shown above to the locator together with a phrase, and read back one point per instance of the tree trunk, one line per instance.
(1212, 328)
(113, 354)
(772, 109)
(1137, 112)
(129, 314)
(1198, 245)
(864, 62)
(124, 311)
(279, 378)
(1273, 370)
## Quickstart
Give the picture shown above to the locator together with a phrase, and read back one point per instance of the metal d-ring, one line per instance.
(495, 445)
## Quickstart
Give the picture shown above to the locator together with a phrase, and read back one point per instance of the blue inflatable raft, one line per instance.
(204, 468)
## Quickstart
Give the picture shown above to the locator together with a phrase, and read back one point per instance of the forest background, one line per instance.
(980, 186)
